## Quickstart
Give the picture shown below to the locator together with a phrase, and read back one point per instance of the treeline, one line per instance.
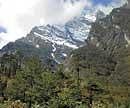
(27, 83)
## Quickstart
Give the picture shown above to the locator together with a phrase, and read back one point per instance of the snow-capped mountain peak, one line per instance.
(57, 41)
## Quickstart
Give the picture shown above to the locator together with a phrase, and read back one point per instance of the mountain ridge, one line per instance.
(57, 41)
(107, 50)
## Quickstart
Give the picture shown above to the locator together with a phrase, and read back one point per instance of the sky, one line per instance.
(3, 30)
(18, 17)
(103, 2)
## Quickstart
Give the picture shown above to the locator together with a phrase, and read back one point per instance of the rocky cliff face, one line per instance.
(107, 50)
(112, 31)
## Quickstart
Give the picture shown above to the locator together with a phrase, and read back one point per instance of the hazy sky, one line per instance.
(17, 17)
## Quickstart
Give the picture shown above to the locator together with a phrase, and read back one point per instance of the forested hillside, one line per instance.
(96, 75)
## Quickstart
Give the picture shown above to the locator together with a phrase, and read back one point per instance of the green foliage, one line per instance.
(40, 88)
(3, 105)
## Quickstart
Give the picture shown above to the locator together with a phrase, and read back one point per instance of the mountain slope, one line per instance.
(104, 61)
(54, 42)
(107, 50)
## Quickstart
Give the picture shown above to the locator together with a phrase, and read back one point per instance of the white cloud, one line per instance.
(19, 16)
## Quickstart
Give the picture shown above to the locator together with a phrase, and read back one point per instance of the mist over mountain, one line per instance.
(84, 63)
(19, 18)
(55, 42)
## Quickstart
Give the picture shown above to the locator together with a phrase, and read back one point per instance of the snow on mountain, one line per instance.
(57, 41)
(72, 34)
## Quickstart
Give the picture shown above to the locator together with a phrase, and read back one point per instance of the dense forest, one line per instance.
(26, 83)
